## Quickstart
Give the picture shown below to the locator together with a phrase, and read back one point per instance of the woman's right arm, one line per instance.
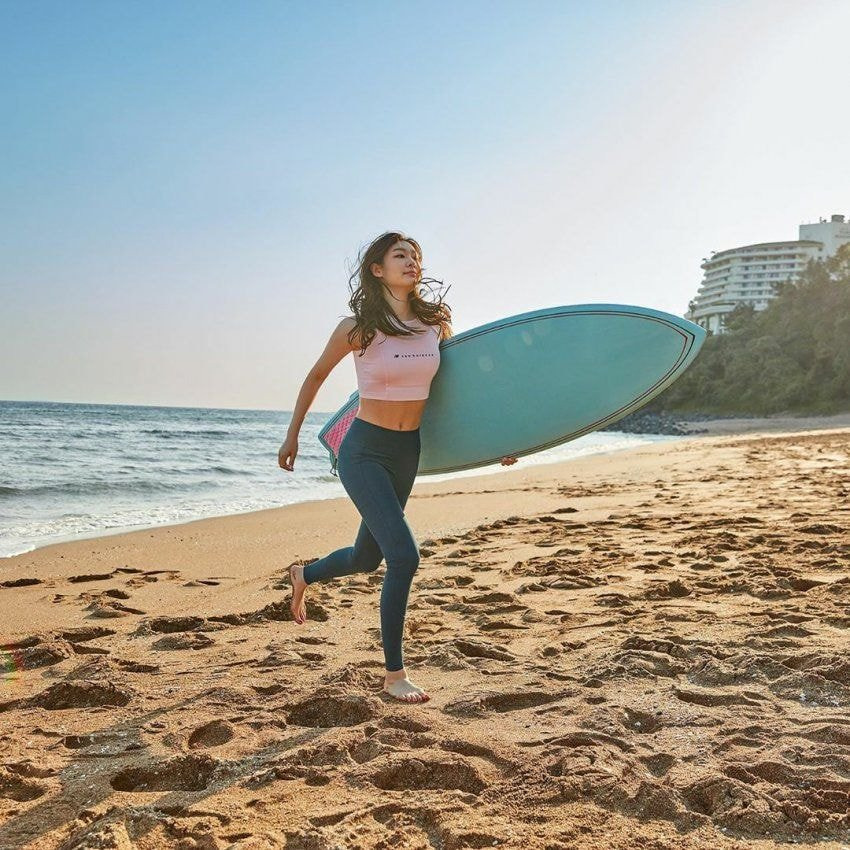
(337, 347)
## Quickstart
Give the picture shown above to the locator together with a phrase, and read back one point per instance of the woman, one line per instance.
(395, 334)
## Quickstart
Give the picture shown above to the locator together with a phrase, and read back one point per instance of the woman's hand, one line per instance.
(286, 454)
(508, 460)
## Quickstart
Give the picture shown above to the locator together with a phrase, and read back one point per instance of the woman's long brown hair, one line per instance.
(370, 308)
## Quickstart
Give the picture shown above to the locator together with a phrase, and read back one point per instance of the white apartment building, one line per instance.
(746, 275)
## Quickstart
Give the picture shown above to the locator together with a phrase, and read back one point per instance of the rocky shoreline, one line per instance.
(641, 422)
(684, 424)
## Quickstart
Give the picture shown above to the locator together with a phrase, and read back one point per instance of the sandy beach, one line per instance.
(645, 648)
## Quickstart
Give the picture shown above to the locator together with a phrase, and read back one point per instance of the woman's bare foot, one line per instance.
(397, 684)
(297, 606)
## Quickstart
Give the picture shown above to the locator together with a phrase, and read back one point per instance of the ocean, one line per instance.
(72, 471)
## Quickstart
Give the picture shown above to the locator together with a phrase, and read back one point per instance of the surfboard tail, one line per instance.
(332, 435)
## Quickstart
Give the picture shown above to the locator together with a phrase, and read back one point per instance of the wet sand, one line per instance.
(645, 648)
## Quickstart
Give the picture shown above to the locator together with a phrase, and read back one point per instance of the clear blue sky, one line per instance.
(185, 184)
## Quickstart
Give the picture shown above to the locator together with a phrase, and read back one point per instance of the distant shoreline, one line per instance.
(712, 424)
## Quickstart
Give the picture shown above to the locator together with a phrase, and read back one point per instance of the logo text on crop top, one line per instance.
(428, 354)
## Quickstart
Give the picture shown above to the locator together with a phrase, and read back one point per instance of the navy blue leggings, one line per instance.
(377, 466)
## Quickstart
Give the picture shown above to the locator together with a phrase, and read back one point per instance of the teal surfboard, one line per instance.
(532, 381)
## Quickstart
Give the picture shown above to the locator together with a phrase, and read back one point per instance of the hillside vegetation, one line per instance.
(793, 357)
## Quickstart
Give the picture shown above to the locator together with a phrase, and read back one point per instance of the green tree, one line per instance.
(792, 357)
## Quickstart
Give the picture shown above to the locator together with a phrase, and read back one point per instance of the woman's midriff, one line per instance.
(398, 415)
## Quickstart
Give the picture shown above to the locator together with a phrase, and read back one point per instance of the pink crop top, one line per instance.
(399, 368)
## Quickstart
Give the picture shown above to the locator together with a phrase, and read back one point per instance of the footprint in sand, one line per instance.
(82, 694)
(327, 708)
(142, 577)
(18, 789)
(501, 702)
(424, 771)
(91, 577)
(20, 582)
(212, 734)
(185, 773)
(190, 640)
(106, 610)
(34, 651)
